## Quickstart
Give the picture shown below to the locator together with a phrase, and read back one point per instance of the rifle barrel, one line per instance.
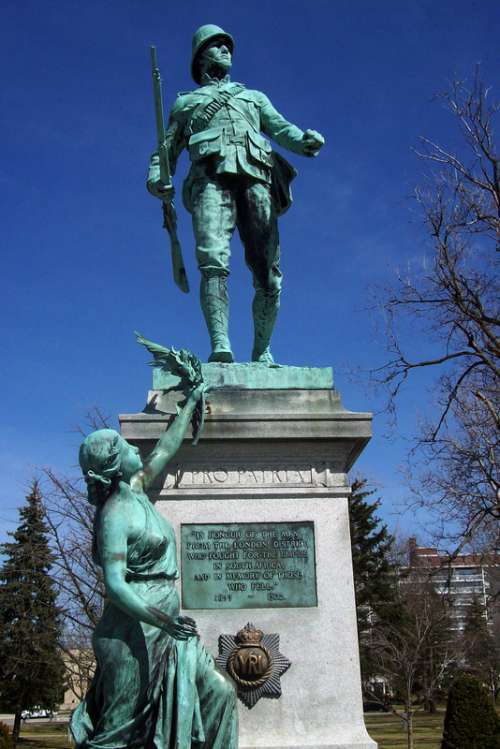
(154, 61)
(160, 127)
(170, 218)
(160, 124)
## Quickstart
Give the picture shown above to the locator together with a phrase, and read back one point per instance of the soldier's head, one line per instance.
(212, 52)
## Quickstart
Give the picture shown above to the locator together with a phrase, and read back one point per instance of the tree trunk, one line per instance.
(430, 705)
(409, 726)
(16, 730)
(493, 692)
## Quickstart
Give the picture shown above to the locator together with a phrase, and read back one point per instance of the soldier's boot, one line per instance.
(265, 310)
(215, 305)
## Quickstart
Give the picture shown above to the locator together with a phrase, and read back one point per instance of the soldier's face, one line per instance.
(217, 53)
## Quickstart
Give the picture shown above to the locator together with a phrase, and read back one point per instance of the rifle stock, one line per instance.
(178, 268)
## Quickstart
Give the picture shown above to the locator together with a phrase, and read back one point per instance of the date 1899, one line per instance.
(222, 598)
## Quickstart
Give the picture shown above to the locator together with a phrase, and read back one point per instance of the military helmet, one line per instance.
(201, 38)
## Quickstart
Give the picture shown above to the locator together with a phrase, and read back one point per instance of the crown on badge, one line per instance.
(249, 635)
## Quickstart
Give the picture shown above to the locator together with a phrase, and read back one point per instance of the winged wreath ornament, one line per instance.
(186, 366)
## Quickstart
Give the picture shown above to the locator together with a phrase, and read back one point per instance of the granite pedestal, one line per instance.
(273, 455)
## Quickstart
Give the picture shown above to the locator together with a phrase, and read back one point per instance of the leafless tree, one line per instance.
(445, 316)
(69, 517)
(79, 662)
(481, 646)
(415, 652)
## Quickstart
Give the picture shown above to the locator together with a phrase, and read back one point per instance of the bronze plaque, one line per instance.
(248, 565)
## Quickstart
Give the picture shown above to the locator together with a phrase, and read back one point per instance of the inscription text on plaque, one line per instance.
(248, 565)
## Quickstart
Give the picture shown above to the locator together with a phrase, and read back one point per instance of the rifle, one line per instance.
(169, 213)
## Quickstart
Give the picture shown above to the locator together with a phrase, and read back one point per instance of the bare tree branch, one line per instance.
(451, 307)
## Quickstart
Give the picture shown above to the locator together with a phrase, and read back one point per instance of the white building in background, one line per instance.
(461, 578)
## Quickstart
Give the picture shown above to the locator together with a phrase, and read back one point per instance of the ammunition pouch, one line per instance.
(206, 143)
(259, 149)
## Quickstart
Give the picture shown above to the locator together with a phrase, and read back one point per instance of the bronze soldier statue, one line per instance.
(236, 179)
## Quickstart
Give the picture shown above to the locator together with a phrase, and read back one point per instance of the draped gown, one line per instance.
(151, 691)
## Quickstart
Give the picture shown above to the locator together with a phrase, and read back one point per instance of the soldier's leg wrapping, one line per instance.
(258, 227)
(214, 216)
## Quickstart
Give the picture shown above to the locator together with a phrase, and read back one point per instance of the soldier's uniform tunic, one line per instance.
(229, 183)
(230, 177)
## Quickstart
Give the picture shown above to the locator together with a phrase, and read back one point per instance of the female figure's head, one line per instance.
(105, 459)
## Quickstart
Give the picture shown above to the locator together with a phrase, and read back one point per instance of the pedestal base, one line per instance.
(363, 745)
(278, 456)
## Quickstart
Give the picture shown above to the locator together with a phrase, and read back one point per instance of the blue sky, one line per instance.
(85, 260)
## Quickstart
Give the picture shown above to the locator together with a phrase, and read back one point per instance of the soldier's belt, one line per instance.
(235, 140)
(213, 141)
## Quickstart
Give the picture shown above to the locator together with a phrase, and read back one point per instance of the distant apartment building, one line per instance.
(461, 578)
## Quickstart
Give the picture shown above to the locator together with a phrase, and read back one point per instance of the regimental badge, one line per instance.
(254, 662)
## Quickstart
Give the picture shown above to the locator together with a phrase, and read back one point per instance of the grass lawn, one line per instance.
(385, 729)
(388, 730)
(44, 735)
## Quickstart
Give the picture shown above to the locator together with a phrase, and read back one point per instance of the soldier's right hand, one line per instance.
(162, 191)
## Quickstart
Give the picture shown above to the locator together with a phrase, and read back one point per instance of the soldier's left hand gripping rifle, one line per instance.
(169, 213)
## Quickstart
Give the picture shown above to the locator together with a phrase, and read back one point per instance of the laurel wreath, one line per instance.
(185, 365)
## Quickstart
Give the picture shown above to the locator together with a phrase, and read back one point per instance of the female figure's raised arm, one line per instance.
(116, 523)
(170, 441)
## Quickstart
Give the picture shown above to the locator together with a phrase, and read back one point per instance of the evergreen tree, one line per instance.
(31, 666)
(375, 581)
(470, 721)
(374, 575)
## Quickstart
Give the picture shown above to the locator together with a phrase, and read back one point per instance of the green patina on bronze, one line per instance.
(235, 180)
(155, 684)
(252, 376)
(248, 565)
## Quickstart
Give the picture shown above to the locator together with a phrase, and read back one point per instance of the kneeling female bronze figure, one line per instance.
(155, 686)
